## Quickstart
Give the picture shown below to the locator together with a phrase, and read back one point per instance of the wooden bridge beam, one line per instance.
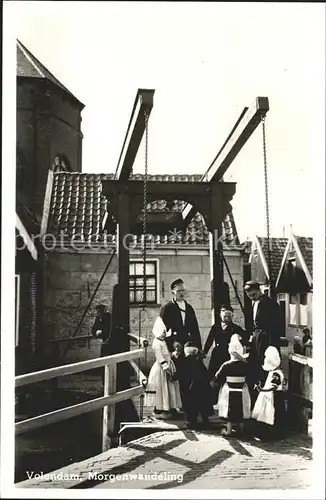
(251, 117)
(136, 127)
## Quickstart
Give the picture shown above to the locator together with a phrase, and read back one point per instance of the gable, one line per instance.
(293, 278)
(28, 66)
(278, 246)
(257, 268)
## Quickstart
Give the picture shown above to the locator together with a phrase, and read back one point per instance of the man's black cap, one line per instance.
(251, 285)
(174, 283)
(227, 307)
(100, 307)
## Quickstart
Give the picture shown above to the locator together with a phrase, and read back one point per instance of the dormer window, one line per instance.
(60, 164)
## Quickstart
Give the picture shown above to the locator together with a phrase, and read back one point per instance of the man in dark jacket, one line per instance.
(267, 327)
(179, 317)
(220, 334)
(102, 329)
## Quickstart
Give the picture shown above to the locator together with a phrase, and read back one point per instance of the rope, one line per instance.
(91, 299)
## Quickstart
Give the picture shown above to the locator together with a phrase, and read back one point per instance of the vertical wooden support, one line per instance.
(247, 302)
(122, 311)
(110, 382)
(123, 261)
(219, 288)
(217, 273)
(300, 385)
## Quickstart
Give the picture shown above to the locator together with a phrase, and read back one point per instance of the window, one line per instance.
(298, 309)
(60, 164)
(303, 310)
(17, 293)
(293, 299)
(293, 310)
(136, 282)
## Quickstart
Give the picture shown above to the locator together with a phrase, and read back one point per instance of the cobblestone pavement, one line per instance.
(192, 460)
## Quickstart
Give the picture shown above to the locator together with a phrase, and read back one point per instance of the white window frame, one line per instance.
(17, 300)
(298, 310)
(297, 298)
(158, 290)
(304, 305)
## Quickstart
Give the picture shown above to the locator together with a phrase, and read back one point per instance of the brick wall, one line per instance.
(70, 279)
(48, 124)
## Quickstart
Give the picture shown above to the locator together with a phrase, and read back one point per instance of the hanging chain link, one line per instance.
(266, 198)
(142, 396)
(145, 208)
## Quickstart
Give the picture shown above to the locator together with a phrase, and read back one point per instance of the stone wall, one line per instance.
(71, 278)
(48, 124)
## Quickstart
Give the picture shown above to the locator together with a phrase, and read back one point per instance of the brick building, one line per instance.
(49, 139)
(77, 233)
(294, 284)
(292, 274)
(75, 263)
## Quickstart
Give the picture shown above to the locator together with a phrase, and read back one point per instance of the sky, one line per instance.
(206, 62)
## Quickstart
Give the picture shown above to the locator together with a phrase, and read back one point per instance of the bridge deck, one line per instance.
(190, 459)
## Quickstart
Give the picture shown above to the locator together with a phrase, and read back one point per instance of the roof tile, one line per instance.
(278, 246)
(306, 247)
(78, 205)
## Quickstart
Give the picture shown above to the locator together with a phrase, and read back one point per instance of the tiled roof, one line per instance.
(277, 246)
(29, 66)
(306, 247)
(78, 210)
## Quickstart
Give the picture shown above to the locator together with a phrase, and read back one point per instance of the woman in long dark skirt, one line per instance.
(196, 388)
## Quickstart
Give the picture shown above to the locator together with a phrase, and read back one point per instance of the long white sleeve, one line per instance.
(158, 348)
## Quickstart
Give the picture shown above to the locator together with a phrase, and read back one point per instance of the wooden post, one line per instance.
(110, 379)
(247, 302)
(219, 289)
(123, 262)
(217, 273)
(122, 311)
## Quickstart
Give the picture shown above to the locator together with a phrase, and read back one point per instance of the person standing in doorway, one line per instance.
(267, 328)
(180, 318)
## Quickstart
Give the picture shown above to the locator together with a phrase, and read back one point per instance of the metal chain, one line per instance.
(142, 396)
(145, 209)
(266, 199)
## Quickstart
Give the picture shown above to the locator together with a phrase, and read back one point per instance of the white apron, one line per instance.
(264, 409)
(224, 394)
(161, 392)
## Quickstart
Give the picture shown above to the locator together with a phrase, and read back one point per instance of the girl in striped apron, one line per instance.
(234, 398)
(269, 408)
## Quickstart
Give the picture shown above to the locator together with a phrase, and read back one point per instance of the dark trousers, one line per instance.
(193, 414)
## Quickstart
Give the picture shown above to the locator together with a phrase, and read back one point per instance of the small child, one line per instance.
(269, 408)
(197, 392)
(234, 398)
(162, 390)
(178, 357)
(307, 342)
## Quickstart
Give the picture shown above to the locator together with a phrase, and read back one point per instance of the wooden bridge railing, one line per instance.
(107, 401)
